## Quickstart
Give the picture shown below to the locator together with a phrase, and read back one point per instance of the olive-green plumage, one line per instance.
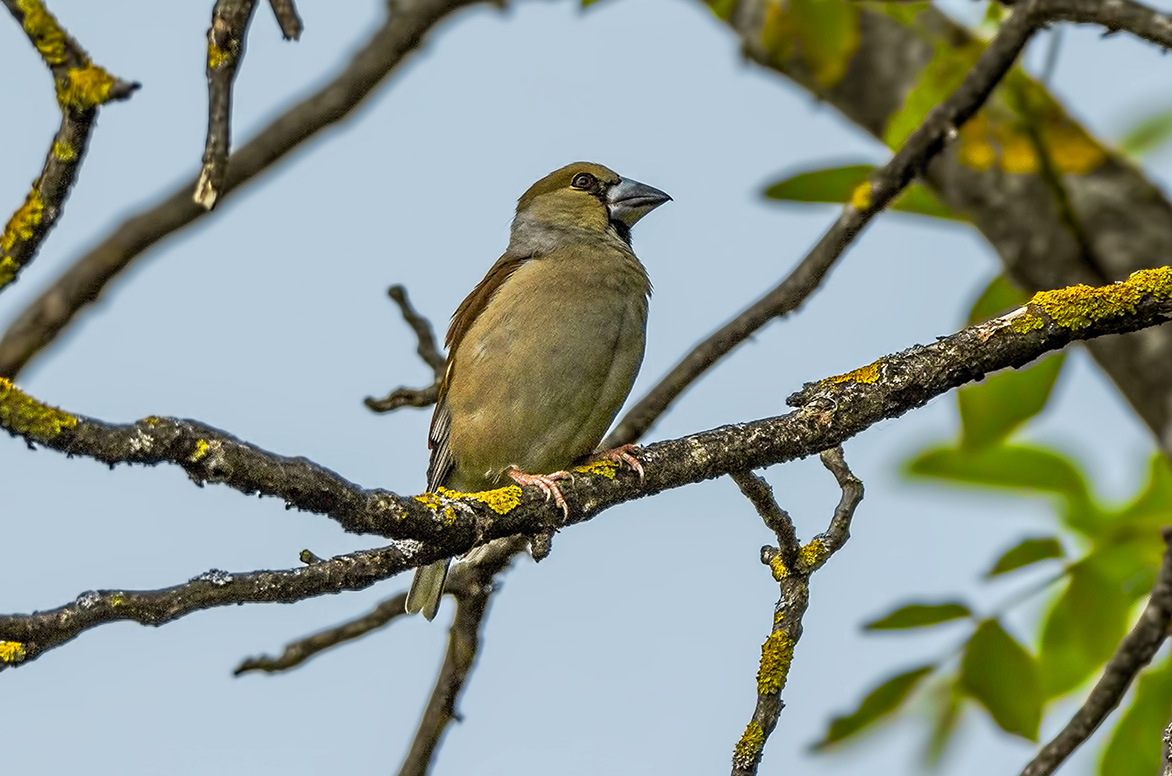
(543, 352)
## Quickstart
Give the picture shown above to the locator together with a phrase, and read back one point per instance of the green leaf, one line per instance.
(881, 702)
(1134, 746)
(1002, 677)
(998, 297)
(992, 410)
(836, 185)
(1027, 552)
(919, 616)
(945, 716)
(1082, 629)
(1004, 466)
(1147, 134)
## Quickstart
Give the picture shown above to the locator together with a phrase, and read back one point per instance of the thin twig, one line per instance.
(81, 87)
(287, 18)
(1134, 652)
(427, 350)
(82, 283)
(443, 525)
(792, 566)
(226, 43)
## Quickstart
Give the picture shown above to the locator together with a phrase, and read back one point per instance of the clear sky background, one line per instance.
(633, 648)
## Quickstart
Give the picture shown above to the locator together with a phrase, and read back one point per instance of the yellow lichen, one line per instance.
(1077, 307)
(21, 414)
(748, 749)
(64, 152)
(500, 500)
(12, 652)
(604, 467)
(1156, 282)
(813, 555)
(864, 374)
(778, 567)
(24, 222)
(202, 448)
(861, 196)
(776, 655)
(117, 599)
(43, 30)
(8, 270)
(83, 88)
(217, 56)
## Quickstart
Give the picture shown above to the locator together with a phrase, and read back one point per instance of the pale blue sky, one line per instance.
(633, 648)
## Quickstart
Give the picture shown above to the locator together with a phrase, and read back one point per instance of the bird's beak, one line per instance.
(629, 200)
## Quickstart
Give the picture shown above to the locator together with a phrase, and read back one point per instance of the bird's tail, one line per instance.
(427, 587)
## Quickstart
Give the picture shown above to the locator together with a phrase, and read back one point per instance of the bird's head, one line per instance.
(587, 197)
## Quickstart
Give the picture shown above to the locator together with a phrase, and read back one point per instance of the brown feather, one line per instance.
(442, 462)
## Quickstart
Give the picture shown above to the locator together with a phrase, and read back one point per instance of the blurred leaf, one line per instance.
(992, 410)
(835, 185)
(1082, 629)
(919, 615)
(1147, 134)
(998, 297)
(1000, 674)
(879, 703)
(945, 718)
(1134, 746)
(1013, 466)
(1027, 552)
(994, 13)
(1153, 504)
(951, 62)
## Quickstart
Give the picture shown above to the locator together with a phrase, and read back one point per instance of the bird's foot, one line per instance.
(622, 454)
(547, 483)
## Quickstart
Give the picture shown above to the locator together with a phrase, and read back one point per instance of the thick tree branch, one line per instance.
(401, 33)
(1135, 651)
(81, 87)
(449, 524)
(226, 39)
(792, 565)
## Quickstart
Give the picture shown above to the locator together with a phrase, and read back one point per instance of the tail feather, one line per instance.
(427, 588)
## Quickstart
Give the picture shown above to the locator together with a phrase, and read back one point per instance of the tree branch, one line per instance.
(1135, 651)
(226, 38)
(448, 524)
(792, 566)
(81, 87)
(400, 34)
(427, 350)
(465, 578)
(287, 18)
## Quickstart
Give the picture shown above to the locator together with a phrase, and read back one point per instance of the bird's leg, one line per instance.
(547, 483)
(621, 454)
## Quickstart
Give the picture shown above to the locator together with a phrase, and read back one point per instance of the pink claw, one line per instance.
(547, 483)
(622, 455)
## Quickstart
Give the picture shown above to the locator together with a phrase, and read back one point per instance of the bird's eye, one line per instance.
(583, 180)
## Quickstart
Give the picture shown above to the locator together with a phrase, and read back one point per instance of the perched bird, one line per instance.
(544, 351)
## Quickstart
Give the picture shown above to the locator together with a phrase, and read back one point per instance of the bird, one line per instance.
(543, 352)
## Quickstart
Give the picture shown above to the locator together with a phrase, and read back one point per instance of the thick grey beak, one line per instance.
(629, 200)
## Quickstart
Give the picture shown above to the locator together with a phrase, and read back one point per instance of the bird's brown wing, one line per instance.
(442, 461)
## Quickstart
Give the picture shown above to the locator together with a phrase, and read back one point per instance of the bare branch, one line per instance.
(427, 350)
(449, 524)
(792, 566)
(226, 37)
(81, 87)
(465, 577)
(1134, 652)
(25, 637)
(472, 587)
(400, 34)
(287, 18)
